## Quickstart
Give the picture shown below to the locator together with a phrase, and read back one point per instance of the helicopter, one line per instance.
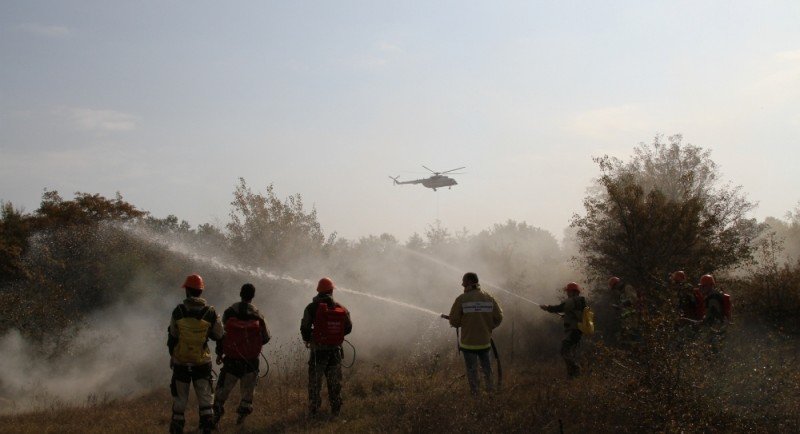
(438, 180)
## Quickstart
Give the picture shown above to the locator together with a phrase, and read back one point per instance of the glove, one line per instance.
(445, 316)
(544, 307)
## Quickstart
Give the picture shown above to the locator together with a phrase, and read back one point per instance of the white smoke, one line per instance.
(117, 353)
(120, 351)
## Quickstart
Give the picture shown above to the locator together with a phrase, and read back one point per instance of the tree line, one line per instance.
(661, 210)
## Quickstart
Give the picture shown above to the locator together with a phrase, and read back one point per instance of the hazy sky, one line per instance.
(170, 102)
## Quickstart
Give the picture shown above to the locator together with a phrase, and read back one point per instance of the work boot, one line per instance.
(218, 412)
(206, 424)
(176, 427)
(243, 412)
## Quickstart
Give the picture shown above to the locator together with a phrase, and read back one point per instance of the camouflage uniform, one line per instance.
(324, 360)
(629, 314)
(687, 301)
(572, 308)
(199, 374)
(237, 369)
(715, 322)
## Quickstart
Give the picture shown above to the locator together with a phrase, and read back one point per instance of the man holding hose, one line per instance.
(477, 313)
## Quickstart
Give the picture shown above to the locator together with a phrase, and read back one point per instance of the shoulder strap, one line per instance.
(181, 311)
(204, 312)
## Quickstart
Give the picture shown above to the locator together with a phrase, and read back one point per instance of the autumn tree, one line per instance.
(663, 210)
(524, 254)
(266, 230)
(14, 230)
(59, 259)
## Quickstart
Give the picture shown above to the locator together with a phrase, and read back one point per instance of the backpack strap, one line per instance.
(203, 312)
(181, 311)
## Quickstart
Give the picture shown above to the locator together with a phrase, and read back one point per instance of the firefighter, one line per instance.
(629, 307)
(572, 310)
(193, 322)
(717, 311)
(246, 332)
(713, 300)
(324, 325)
(477, 313)
(691, 305)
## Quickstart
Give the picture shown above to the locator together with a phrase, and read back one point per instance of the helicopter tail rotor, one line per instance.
(394, 178)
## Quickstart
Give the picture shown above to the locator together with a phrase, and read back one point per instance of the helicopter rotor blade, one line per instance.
(434, 172)
(453, 170)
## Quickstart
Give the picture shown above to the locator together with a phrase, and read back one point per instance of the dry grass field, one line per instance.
(728, 392)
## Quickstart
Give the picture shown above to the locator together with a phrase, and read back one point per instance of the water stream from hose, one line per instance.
(186, 251)
(459, 270)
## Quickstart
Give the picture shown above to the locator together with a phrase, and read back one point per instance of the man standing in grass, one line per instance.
(572, 310)
(193, 322)
(245, 333)
(323, 328)
(477, 313)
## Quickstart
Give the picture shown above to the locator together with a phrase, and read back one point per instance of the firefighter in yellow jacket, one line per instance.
(477, 313)
(193, 323)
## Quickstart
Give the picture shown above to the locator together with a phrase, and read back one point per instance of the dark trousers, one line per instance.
(471, 360)
(569, 351)
(327, 363)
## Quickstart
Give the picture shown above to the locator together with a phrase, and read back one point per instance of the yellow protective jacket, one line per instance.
(477, 313)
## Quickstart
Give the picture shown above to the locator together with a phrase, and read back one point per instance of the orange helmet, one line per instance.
(707, 280)
(679, 276)
(612, 282)
(572, 287)
(194, 281)
(325, 285)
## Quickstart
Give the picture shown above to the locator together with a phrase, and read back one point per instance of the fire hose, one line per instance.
(494, 351)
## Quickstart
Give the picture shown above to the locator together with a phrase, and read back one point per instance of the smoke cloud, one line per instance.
(395, 296)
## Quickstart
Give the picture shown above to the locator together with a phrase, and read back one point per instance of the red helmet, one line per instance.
(707, 280)
(679, 276)
(612, 282)
(325, 285)
(194, 281)
(572, 287)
